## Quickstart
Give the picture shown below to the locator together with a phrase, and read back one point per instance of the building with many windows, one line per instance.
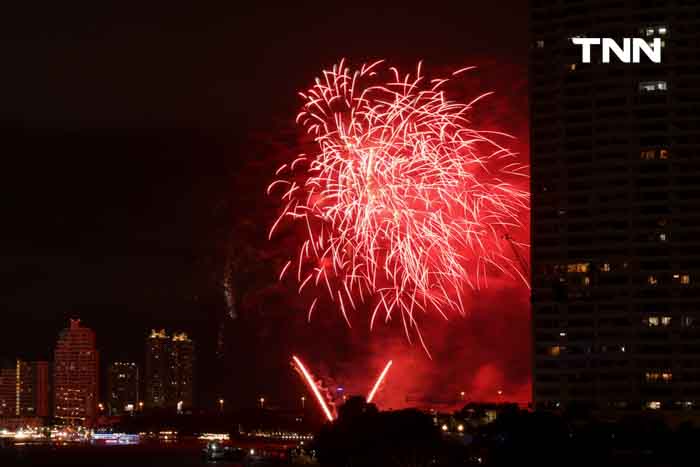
(24, 389)
(615, 164)
(169, 370)
(122, 388)
(76, 370)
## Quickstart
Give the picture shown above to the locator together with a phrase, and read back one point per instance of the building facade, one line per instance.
(24, 389)
(182, 367)
(122, 388)
(76, 375)
(615, 160)
(157, 367)
(169, 370)
(8, 392)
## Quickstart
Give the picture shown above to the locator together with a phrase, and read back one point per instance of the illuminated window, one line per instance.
(577, 267)
(571, 67)
(687, 321)
(647, 155)
(663, 237)
(540, 44)
(652, 321)
(649, 31)
(652, 280)
(667, 377)
(685, 279)
(665, 320)
(652, 154)
(652, 377)
(653, 86)
(605, 267)
(654, 405)
(555, 351)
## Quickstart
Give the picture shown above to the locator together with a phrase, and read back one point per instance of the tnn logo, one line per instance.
(629, 52)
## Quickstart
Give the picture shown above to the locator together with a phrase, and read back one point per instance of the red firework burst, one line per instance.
(403, 203)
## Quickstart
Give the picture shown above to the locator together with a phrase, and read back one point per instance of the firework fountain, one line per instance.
(311, 383)
(379, 381)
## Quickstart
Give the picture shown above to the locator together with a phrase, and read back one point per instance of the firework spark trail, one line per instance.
(402, 202)
(382, 375)
(314, 389)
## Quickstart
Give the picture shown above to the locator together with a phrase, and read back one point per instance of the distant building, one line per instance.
(32, 389)
(7, 392)
(24, 389)
(182, 370)
(157, 368)
(76, 366)
(122, 387)
(169, 370)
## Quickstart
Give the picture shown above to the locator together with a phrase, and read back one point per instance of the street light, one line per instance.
(221, 405)
(303, 401)
(262, 402)
(461, 395)
(140, 406)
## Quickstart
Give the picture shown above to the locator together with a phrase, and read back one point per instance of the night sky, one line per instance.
(137, 142)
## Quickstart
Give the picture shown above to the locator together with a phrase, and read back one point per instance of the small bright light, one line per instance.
(252, 452)
(460, 427)
(444, 427)
(562, 334)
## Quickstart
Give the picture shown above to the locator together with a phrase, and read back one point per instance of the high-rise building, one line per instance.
(169, 370)
(42, 388)
(122, 387)
(76, 366)
(615, 155)
(182, 370)
(157, 368)
(24, 389)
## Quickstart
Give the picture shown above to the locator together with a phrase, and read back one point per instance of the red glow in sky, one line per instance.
(405, 206)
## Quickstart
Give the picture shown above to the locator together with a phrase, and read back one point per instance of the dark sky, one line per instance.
(135, 139)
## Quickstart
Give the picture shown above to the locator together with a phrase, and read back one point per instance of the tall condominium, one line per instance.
(122, 387)
(615, 153)
(182, 366)
(169, 369)
(24, 389)
(76, 365)
(157, 369)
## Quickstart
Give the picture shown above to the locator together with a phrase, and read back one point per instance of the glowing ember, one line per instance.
(402, 203)
(382, 375)
(314, 389)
